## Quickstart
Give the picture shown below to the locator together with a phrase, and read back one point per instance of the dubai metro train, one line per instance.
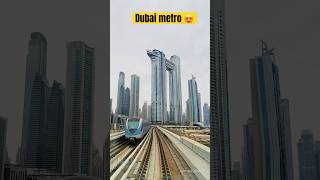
(136, 128)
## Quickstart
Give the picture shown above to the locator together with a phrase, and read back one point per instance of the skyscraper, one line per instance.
(120, 94)
(220, 139)
(195, 102)
(35, 95)
(200, 109)
(126, 103)
(265, 110)
(35, 153)
(134, 96)
(175, 91)
(42, 138)
(317, 157)
(158, 86)
(159, 66)
(188, 113)
(306, 156)
(284, 126)
(272, 140)
(3, 136)
(248, 150)
(206, 115)
(144, 111)
(79, 108)
(55, 126)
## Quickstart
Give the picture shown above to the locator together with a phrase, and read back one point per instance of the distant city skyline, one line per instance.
(144, 86)
(141, 102)
(57, 122)
(190, 42)
(87, 22)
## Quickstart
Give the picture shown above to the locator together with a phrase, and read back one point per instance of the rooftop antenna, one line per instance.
(266, 51)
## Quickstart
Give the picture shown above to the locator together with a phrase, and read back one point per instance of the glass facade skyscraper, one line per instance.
(206, 115)
(144, 111)
(158, 86)
(55, 126)
(3, 136)
(306, 156)
(159, 67)
(220, 156)
(265, 112)
(248, 150)
(195, 103)
(79, 108)
(43, 121)
(270, 113)
(120, 94)
(126, 102)
(188, 114)
(175, 91)
(285, 140)
(134, 96)
(35, 103)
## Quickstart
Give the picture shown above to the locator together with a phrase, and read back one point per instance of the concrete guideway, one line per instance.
(127, 163)
(195, 154)
(116, 135)
(153, 170)
(118, 159)
(158, 156)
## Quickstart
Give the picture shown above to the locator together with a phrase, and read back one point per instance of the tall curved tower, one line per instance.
(158, 86)
(35, 93)
(160, 65)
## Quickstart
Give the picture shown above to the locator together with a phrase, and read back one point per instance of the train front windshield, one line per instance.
(133, 123)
